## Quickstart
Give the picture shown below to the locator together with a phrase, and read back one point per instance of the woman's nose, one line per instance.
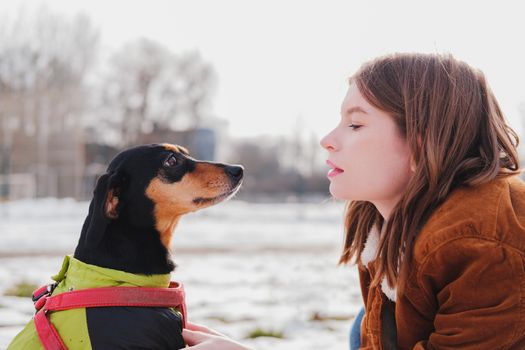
(327, 142)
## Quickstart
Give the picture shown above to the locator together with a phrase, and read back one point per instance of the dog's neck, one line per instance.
(127, 248)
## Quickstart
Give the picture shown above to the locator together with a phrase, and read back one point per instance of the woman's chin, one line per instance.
(336, 192)
(342, 193)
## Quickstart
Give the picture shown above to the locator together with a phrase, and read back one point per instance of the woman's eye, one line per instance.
(171, 162)
(354, 126)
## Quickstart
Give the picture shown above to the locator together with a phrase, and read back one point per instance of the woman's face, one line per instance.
(368, 156)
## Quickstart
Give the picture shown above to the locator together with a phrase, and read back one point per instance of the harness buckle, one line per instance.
(40, 295)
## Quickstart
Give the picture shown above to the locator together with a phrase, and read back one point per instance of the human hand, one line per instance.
(199, 337)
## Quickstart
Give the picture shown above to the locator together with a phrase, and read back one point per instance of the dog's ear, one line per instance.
(111, 203)
(103, 208)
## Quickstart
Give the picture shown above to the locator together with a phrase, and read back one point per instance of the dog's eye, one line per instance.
(171, 161)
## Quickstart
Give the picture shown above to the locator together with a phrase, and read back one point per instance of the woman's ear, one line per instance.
(413, 164)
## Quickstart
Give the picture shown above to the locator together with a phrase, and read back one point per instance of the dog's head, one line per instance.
(152, 186)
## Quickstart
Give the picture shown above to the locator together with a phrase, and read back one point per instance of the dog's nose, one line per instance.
(234, 171)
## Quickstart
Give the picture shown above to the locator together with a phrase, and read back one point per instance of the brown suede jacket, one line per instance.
(466, 289)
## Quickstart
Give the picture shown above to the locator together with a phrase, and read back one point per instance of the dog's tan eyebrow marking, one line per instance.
(176, 148)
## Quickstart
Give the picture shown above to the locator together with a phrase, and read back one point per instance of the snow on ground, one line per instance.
(244, 266)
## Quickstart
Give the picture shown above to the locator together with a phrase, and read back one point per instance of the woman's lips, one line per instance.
(334, 171)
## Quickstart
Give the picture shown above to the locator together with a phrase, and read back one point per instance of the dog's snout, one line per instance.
(234, 171)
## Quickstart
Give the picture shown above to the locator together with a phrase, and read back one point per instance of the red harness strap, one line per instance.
(101, 297)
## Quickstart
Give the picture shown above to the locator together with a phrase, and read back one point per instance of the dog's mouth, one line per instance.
(224, 196)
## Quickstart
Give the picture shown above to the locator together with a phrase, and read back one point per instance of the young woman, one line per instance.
(436, 214)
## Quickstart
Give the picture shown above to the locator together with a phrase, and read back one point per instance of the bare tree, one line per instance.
(198, 84)
(149, 87)
(43, 62)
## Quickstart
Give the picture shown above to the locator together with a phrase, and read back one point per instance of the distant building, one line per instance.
(62, 165)
(50, 167)
(201, 142)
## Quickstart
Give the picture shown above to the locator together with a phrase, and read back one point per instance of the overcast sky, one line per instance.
(283, 64)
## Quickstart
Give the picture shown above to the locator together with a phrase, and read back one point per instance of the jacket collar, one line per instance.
(369, 255)
(75, 274)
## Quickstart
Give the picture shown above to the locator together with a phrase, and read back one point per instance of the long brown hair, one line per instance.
(456, 133)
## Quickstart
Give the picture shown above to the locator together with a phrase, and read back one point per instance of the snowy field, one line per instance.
(244, 266)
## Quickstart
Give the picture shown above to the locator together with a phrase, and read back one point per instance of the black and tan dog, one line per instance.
(136, 206)
(139, 201)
